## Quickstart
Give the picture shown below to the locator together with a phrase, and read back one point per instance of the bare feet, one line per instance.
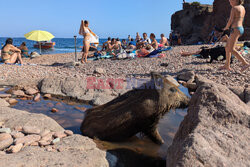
(245, 67)
(225, 68)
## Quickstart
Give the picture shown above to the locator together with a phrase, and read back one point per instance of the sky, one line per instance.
(114, 18)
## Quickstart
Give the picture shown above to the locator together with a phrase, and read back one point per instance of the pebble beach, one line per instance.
(34, 70)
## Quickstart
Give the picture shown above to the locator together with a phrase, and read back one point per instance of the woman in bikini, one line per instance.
(236, 23)
(24, 50)
(154, 42)
(10, 54)
(85, 31)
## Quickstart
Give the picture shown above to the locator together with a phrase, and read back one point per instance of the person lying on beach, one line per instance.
(10, 53)
(163, 41)
(105, 44)
(154, 42)
(144, 51)
(132, 44)
(24, 50)
(236, 23)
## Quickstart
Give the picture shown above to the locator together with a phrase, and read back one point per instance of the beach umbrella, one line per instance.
(39, 35)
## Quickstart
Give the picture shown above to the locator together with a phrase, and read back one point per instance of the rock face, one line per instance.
(74, 150)
(215, 131)
(195, 23)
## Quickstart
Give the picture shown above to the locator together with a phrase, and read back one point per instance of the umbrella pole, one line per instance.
(75, 50)
(40, 48)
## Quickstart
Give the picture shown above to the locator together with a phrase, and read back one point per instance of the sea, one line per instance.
(63, 45)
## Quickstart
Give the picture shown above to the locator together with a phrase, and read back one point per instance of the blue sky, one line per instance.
(115, 18)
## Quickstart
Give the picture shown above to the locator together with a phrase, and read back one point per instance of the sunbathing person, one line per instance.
(124, 44)
(163, 41)
(24, 50)
(132, 44)
(105, 44)
(10, 53)
(154, 42)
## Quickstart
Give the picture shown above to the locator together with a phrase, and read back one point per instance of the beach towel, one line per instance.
(155, 52)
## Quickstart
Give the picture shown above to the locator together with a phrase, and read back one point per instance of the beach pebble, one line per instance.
(60, 149)
(44, 143)
(68, 132)
(81, 108)
(1, 124)
(55, 141)
(48, 96)
(5, 130)
(18, 93)
(16, 134)
(99, 70)
(49, 149)
(37, 97)
(5, 95)
(18, 128)
(31, 91)
(59, 135)
(5, 143)
(54, 110)
(4, 136)
(15, 148)
(34, 144)
(47, 137)
(45, 132)
(12, 101)
(31, 130)
(2, 152)
(27, 140)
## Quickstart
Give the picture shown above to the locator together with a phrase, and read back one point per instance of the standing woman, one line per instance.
(236, 23)
(85, 31)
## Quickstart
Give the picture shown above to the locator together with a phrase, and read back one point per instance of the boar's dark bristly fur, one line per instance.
(138, 110)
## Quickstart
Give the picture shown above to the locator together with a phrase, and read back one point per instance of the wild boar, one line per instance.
(138, 110)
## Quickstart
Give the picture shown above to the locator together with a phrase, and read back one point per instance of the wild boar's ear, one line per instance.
(158, 80)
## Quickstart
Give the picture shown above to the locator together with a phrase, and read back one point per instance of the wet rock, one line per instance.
(215, 131)
(99, 70)
(4, 136)
(187, 76)
(31, 130)
(15, 148)
(81, 108)
(31, 91)
(12, 101)
(57, 140)
(5, 95)
(59, 135)
(54, 110)
(68, 132)
(16, 134)
(37, 97)
(5, 130)
(171, 79)
(27, 140)
(18, 93)
(47, 96)
(4, 103)
(5, 143)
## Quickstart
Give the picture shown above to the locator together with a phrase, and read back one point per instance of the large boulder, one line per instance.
(74, 150)
(80, 88)
(215, 131)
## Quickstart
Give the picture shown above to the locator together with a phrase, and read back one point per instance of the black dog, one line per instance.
(214, 53)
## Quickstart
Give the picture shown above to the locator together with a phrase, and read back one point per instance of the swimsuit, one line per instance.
(241, 29)
(6, 55)
(24, 54)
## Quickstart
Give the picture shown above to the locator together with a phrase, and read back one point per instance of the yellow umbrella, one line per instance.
(39, 36)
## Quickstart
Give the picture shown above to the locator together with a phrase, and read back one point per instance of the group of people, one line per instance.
(11, 54)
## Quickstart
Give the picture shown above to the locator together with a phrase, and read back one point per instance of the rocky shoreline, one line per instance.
(219, 107)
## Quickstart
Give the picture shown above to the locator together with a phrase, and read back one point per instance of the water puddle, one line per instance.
(70, 116)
